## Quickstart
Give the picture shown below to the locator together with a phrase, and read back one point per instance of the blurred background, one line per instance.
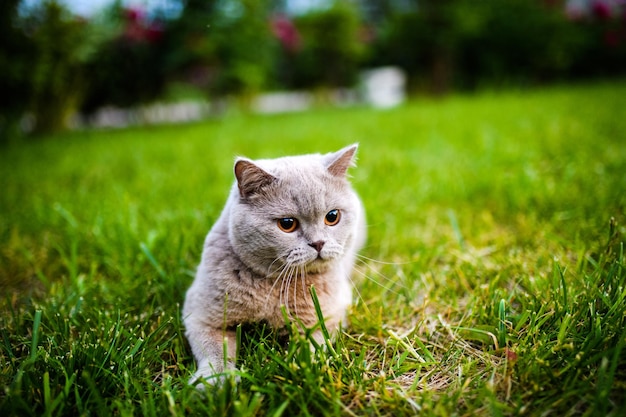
(71, 63)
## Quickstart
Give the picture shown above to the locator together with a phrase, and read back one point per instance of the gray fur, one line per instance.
(250, 268)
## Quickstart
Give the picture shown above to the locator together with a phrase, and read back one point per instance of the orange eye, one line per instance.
(287, 224)
(332, 217)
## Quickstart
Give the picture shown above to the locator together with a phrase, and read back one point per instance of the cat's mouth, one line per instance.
(311, 262)
(318, 264)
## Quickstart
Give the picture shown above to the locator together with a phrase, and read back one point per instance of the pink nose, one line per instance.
(317, 245)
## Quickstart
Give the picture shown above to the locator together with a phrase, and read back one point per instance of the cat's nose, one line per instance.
(317, 245)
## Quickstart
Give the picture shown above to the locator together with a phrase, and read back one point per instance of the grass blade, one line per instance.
(146, 251)
(502, 323)
(35, 340)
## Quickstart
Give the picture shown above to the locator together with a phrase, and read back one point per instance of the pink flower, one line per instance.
(139, 29)
(134, 15)
(286, 32)
(601, 10)
(154, 32)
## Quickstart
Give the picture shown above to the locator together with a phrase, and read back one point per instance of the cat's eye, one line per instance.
(287, 224)
(332, 217)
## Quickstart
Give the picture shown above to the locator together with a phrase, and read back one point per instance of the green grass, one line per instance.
(495, 283)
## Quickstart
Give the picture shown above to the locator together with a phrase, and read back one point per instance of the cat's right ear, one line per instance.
(338, 163)
(250, 178)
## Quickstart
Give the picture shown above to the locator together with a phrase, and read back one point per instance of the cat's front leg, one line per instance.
(208, 346)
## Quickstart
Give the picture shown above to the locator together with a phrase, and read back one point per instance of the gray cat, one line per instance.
(289, 224)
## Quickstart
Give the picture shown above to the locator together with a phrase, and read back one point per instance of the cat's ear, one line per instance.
(250, 178)
(338, 163)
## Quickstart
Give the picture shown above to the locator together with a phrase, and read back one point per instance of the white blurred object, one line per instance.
(383, 87)
(283, 101)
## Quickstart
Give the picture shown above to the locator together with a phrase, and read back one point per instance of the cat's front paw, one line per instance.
(208, 375)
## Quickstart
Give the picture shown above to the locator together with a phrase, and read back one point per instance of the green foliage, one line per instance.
(331, 50)
(603, 52)
(244, 46)
(15, 51)
(53, 64)
(520, 41)
(59, 47)
(223, 47)
(191, 48)
(130, 65)
(492, 282)
(43, 64)
(459, 43)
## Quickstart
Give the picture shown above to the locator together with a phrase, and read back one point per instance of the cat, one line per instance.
(289, 224)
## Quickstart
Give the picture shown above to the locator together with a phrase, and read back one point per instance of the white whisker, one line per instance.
(281, 297)
(295, 289)
(358, 293)
(269, 268)
(304, 292)
(365, 258)
(278, 278)
(378, 273)
(284, 274)
(287, 286)
(363, 274)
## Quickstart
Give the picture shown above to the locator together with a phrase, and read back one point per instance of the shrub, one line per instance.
(129, 67)
(58, 46)
(16, 52)
(244, 47)
(330, 50)
(459, 43)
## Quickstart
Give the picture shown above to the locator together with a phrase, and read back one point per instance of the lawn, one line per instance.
(493, 281)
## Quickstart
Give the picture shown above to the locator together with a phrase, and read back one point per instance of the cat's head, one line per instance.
(297, 211)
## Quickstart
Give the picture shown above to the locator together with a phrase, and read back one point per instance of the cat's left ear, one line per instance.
(250, 178)
(338, 163)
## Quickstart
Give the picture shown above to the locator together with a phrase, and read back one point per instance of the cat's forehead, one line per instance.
(304, 185)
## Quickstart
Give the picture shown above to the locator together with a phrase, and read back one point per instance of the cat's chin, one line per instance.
(318, 266)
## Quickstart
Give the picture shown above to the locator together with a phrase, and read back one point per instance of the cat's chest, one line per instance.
(292, 293)
(268, 299)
